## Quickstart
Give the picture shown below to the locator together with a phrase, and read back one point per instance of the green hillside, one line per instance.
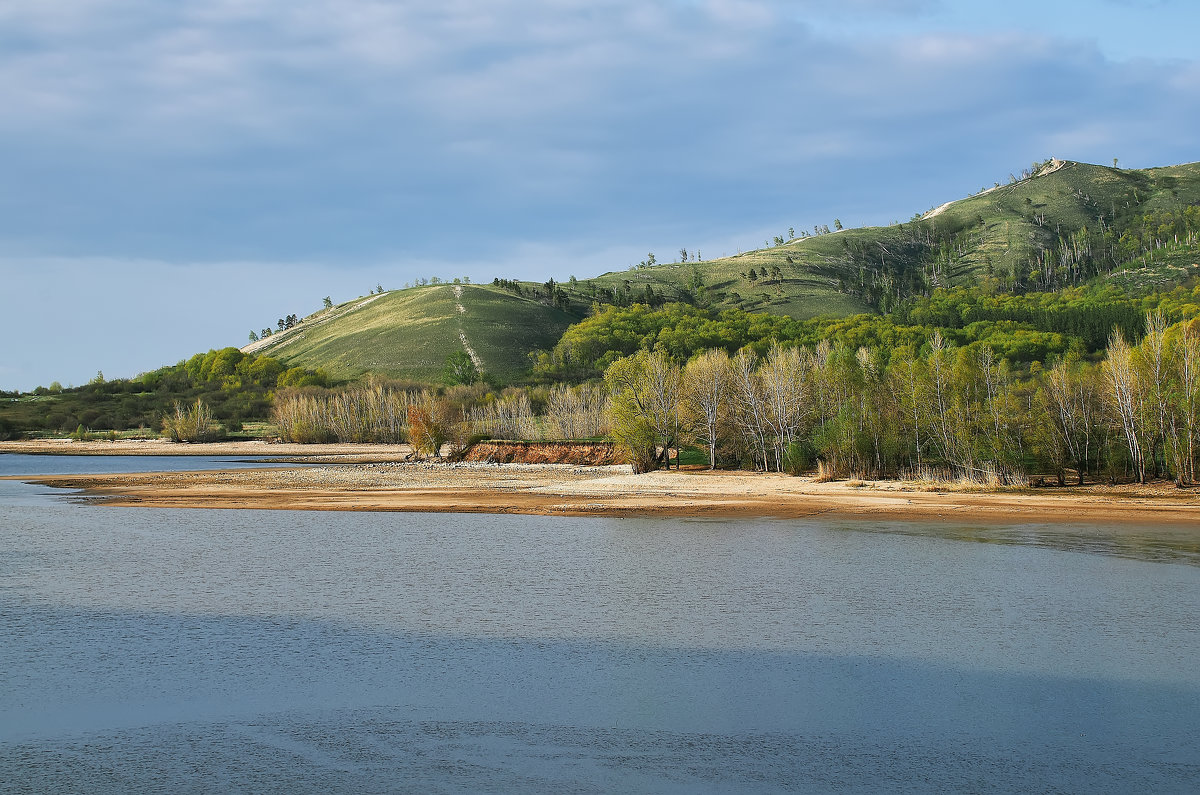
(410, 333)
(1062, 224)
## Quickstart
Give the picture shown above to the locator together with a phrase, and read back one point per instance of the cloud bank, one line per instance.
(404, 137)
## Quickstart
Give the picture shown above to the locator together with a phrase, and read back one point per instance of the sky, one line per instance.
(178, 174)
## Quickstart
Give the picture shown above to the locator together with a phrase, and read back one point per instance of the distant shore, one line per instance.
(380, 482)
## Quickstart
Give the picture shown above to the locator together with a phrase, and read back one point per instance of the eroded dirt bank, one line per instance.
(578, 453)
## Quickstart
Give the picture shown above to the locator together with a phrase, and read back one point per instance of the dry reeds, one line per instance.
(577, 412)
(986, 475)
(825, 472)
(371, 413)
(510, 417)
(382, 414)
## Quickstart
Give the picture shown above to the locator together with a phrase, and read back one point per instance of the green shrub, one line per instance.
(798, 458)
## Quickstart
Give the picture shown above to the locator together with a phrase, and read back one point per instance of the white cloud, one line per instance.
(527, 134)
(472, 92)
(231, 75)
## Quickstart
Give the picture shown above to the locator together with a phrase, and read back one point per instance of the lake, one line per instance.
(276, 651)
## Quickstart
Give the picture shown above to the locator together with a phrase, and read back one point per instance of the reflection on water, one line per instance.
(1159, 543)
(23, 464)
(272, 651)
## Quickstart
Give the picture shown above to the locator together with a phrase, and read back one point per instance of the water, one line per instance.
(23, 464)
(271, 651)
(17, 464)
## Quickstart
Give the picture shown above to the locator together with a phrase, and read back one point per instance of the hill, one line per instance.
(1060, 224)
(410, 333)
(1051, 262)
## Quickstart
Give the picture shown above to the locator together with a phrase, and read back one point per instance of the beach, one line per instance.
(376, 478)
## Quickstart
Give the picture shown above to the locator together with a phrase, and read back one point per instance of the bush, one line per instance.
(193, 424)
(426, 432)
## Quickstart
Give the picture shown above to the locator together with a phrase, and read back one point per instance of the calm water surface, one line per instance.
(23, 464)
(268, 651)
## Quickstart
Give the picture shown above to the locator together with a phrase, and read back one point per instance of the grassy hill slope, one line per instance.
(1005, 234)
(1061, 225)
(410, 333)
(1020, 218)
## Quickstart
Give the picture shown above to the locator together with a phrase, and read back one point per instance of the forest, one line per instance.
(1096, 381)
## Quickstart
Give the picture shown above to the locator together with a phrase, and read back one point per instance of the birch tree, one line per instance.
(782, 383)
(707, 387)
(750, 414)
(1153, 371)
(1067, 400)
(1187, 352)
(908, 380)
(943, 409)
(1124, 399)
(877, 413)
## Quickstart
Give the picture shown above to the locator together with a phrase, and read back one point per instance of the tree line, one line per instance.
(936, 409)
(960, 383)
(235, 388)
(1021, 329)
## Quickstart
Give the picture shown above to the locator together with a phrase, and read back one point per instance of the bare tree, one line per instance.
(750, 414)
(1070, 401)
(784, 392)
(577, 412)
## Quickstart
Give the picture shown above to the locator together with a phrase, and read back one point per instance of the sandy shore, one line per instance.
(614, 491)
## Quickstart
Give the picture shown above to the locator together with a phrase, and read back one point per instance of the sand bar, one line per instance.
(381, 484)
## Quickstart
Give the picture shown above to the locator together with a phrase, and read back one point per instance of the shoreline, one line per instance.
(569, 490)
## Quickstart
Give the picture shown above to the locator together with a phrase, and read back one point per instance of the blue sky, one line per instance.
(179, 173)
